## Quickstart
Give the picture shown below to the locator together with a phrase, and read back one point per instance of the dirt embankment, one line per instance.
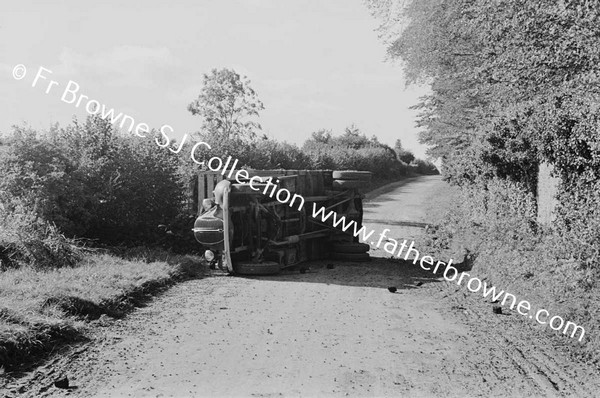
(329, 332)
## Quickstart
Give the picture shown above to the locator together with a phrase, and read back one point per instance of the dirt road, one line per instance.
(329, 332)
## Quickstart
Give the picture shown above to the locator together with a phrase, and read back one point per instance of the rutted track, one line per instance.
(329, 332)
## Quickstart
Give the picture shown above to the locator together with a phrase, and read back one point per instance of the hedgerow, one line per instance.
(92, 182)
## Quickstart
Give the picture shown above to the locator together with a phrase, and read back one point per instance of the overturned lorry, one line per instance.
(263, 222)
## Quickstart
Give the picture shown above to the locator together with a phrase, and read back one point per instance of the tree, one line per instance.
(406, 156)
(398, 145)
(488, 61)
(322, 136)
(514, 83)
(228, 105)
(402, 154)
(353, 138)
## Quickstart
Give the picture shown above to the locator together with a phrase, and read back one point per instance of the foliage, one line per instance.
(514, 83)
(323, 151)
(92, 182)
(25, 238)
(504, 75)
(498, 227)
(403, 155)
(228, 106)
(279, 155)
(578, 225)
(424, 167)
(322, 136)
(353, 150)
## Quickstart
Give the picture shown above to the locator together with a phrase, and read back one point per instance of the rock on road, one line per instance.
(329, 332)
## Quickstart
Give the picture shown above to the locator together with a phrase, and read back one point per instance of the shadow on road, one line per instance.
(378, 273)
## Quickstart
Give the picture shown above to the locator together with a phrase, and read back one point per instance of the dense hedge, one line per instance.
(323, 151)
(353, 150)
(91, 181)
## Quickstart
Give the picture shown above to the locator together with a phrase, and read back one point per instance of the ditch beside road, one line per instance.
(328, 332)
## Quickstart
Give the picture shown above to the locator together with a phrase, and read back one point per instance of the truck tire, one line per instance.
(249, 268)
(352, 175)
(350, 247)
(353, 257)
(342, 185)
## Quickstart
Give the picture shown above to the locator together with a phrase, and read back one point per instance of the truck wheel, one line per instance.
(264, 268)
(352, 175)
(341, 185)
(354, 257)
(350, 247)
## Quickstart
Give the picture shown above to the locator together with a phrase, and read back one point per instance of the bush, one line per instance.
(27, 239)
(278, 155)
(405, 156)
(552, 268)
(354, 150)
(577, 225)
(92, 182)
(425, 167)
(319, 154)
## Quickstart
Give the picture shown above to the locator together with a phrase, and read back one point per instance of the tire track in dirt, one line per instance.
(548, 369)
(329, 332)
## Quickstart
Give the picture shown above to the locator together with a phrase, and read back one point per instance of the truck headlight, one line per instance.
(209, 255)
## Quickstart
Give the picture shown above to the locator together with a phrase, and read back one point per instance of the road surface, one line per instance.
(329, 332)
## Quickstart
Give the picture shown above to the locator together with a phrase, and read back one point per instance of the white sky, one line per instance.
(314, 63)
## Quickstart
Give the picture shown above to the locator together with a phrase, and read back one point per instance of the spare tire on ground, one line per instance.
(352, 175)
(354, 257)
(341, 185)
(350, 247)
(250, 268)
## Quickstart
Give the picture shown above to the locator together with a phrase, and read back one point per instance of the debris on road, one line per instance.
(62, 382)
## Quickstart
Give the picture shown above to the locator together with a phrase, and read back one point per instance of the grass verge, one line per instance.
(42, 309)
(522, 263)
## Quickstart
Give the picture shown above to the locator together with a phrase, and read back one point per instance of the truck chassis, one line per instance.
(245, 231)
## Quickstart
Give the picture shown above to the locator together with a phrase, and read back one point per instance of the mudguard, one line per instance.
(227, 227)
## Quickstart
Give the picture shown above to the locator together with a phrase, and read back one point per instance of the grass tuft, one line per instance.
(43, 308)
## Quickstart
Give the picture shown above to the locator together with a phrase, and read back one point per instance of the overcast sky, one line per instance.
(314, 64)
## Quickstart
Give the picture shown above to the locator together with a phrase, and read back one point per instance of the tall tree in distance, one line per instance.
(404, 155)
(228, 105)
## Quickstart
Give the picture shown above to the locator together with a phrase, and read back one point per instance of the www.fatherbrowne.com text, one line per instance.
(71, 94)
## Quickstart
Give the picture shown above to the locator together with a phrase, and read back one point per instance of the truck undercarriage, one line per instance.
(264, 223)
